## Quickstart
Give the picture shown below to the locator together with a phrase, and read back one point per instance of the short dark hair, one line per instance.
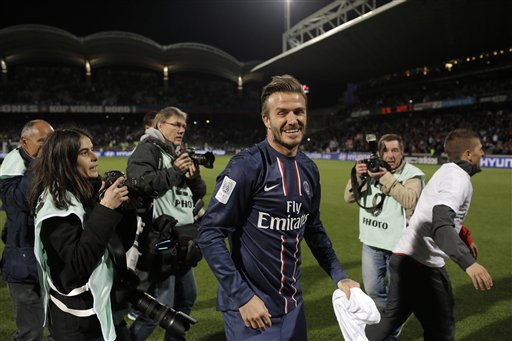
(147, 120)
(458, 141)
(391, 137)
(284, 83)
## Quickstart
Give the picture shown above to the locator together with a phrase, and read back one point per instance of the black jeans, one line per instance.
(28, 310)
(419, 289)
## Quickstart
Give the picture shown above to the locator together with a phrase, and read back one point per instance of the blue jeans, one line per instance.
(375, 267)
(178, 291)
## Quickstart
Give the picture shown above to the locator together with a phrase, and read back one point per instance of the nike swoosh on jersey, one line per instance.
(270, 188)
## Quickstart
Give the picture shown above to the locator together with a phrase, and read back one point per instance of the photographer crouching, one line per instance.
(387, 189)
(171, 178)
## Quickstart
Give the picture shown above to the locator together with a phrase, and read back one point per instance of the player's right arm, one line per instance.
(226, 215)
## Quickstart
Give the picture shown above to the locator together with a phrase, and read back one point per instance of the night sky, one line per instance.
(246, 29)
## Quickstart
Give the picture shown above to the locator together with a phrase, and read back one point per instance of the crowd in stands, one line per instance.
(221, 117)
(423, 132)
(486, 75)
(58, 85)
(122, 132)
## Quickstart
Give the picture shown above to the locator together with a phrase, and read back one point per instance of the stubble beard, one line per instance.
(288, 146)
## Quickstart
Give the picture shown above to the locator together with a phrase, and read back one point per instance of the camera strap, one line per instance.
(356, 189)
(117, 254)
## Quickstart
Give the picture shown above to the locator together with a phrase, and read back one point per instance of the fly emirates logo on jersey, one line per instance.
(293, 221)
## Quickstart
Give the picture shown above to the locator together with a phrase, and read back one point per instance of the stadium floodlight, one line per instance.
(286, 15)
(87, 68)
(240, 83)
(3, 65)
(166, 73)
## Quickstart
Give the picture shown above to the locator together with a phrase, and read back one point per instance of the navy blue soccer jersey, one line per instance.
(265, 203)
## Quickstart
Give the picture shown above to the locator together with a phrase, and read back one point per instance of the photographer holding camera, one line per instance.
(387, 191)
(72, 231)
(173, 182)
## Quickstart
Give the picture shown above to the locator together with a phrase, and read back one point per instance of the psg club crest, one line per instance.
(306, 187)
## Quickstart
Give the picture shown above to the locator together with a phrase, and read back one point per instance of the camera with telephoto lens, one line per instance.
(374, 162)
(206, 160)
(176, 322)
(127, 289)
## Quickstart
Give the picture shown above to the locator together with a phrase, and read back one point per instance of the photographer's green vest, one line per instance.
(382, 227)
(177, 201)
(99, 283)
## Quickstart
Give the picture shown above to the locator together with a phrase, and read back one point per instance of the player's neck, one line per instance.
(284, 150)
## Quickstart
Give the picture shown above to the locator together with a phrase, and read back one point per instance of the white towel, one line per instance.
(353, 315)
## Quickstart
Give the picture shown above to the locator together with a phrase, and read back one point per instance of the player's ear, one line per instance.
(265, 119)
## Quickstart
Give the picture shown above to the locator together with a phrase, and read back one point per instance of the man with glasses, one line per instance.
(172, 179)
(389, 198)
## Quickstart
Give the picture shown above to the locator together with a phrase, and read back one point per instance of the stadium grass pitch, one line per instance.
(479, 315)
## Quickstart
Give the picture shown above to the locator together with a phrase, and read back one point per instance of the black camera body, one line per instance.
(137, 192)
(374, 162)
(135, 185)
(206, 160)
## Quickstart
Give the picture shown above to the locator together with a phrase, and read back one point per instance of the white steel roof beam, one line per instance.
(331, 16)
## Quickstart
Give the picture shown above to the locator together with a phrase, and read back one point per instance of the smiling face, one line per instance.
(286, 121)
(87, 162)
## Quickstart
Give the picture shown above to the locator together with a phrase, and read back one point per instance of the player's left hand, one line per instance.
(480, 277)
(345, 285)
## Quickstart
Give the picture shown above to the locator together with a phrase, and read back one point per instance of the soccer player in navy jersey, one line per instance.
(266, 201)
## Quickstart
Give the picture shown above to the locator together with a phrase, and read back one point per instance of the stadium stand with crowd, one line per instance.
(479, 94)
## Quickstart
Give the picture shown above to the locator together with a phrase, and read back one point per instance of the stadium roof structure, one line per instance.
(40, 43)
(393, 37)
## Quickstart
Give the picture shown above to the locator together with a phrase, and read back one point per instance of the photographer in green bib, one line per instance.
(73, 226)
(174, 185)
(387, 189)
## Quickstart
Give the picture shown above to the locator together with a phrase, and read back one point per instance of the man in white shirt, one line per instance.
(420, 282)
